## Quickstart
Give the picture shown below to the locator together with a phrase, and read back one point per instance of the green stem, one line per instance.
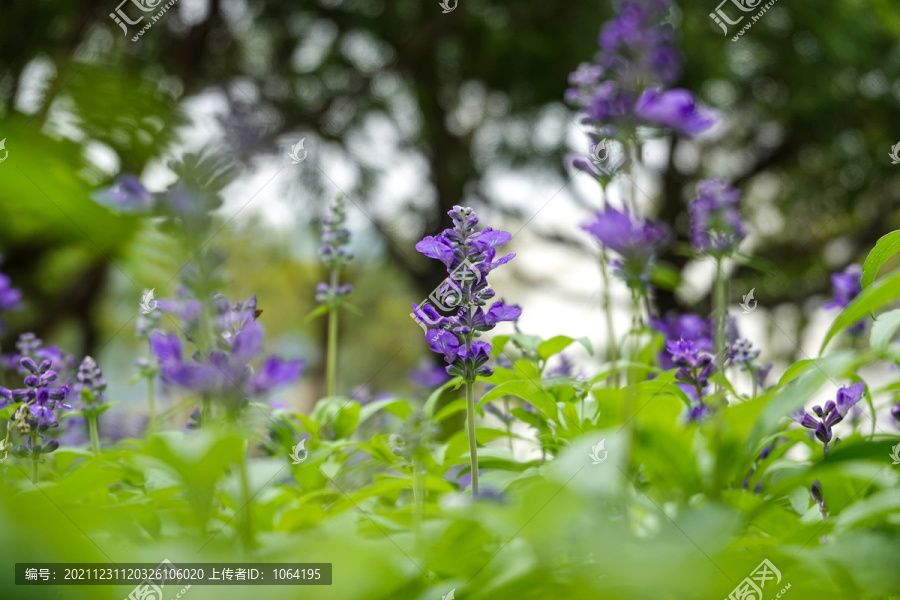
(151, 401)
(206, 412)
(508, 416)
(34, 458)
(247, 512)
(419, 494)
(612, 347)
(720, 306)
(95, 433)
(331, 364)
(470, 430)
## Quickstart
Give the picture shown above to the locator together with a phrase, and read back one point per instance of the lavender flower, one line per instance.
(636, 241)
(689, 327)
(469, 256)
(635, 49)
(36, 415)
(89, 387)
(334, 252)
(832, 414)
(694, 369)
(676, 109)
(637, 58)
(847, 285)
(716, 223)
(225, 373)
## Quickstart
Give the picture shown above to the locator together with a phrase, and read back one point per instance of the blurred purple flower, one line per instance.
(847, 286)
(717, 226)
(429, 375)
(676, 109)
(636, 240)
(126, 195)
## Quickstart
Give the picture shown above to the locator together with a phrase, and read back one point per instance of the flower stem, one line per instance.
(331, 361)
(720, 301)
(95, 434)
(34, 458)
(611, 347)
(247, 512)
(470, 431)
(508, 416)
(151, 402)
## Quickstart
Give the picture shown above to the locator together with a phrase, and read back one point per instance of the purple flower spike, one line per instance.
(717, 226)
(469, 256)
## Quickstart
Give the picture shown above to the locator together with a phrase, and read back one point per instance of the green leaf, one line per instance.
(870, 300)
(318, 312)
(394, 406)
(885, 248)
(559, 343)
(884, 329)
(432, 401)
(530, 391)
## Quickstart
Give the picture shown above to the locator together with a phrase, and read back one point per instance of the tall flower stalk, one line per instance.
(469, 257)
(332, 295)
(717, 229)
(90, 399)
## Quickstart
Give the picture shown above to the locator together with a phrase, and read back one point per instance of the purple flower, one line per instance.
(689, 327)
(676, 109)
(833, 413)
(636, 50)
(126, 195)
(226, 372)
(469, 257)
(847, 285)
(10, 297)
(90, 386)
(716, 223)
(637, 241)
(818, 497)
(333, 251)
(429, 375)
(694, 368)
(36, 415)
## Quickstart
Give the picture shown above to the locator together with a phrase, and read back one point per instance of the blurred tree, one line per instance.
(810, 94)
